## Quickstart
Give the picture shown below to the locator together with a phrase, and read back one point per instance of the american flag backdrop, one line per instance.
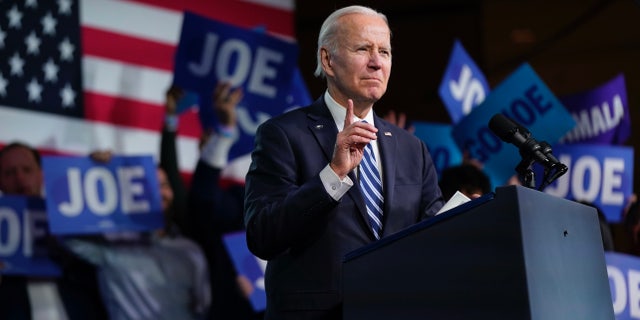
(82, 75)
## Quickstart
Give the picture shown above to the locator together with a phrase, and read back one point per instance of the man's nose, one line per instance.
(375, 60)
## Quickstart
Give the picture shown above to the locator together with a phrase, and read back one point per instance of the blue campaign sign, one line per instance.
(525, 98)
(23, 238)
(85, 196)
(210, 51)
(249, 266)
(624, 282)
(599, 174)
(299, 95)
(437, 137)
(463, 84)
(602, 114)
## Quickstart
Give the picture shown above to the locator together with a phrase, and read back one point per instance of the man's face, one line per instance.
(361, 67)
(20, 173)
(166, 193)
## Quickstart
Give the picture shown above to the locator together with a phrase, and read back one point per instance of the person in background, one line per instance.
(631, 226)
(605, 227)
(216, 208)
(399, 119)
(305, 190)
(176, 213)
(159, 274)
(467, 178)
(75, 295)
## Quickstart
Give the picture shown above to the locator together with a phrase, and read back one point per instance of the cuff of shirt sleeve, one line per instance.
(332, 183)
(171, 122)
(228, 131)
(215, 152)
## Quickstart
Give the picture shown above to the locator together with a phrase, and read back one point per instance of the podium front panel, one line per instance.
(505, 258)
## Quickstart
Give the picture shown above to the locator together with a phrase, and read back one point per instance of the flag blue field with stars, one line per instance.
(41, 56)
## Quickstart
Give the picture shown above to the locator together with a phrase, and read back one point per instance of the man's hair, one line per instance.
(18, 145)
(328, 32)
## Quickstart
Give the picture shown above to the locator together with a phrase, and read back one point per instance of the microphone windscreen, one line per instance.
(503, 127)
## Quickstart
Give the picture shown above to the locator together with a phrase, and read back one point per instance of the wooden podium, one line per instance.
(517, 253)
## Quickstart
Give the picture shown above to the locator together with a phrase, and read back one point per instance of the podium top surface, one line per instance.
(419, 226)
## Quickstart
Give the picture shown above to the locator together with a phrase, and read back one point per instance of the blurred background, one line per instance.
(573, 45)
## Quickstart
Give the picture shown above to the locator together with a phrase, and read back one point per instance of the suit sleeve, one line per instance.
(282, 208)
(432, 199)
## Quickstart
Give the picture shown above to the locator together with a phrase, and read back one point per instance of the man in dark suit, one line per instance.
(304, 208)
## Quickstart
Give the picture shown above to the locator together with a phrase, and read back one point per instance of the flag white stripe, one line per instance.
(288, 5)
(114, 78)
(76, 136)
(124, 17)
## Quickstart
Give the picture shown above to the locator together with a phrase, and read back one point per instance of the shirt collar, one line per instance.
(338, 112)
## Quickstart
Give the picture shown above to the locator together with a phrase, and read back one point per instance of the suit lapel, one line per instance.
(387, 145)
(323, 128)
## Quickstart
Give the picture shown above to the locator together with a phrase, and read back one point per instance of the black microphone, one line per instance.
(531, 150)
(512, 132)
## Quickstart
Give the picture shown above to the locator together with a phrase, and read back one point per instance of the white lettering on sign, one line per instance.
(235, 63)
(467, 89)
(122, 191)
(10, 243)
(625, 291)
(590, 179)
(130, 190)
(596, 120)
(31, 228)
(93, 179)
(263, 70)
(242, 52)
(526, 110)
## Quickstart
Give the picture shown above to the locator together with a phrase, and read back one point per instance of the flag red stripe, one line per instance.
(239, 13)
(133, 113)
(132, 50)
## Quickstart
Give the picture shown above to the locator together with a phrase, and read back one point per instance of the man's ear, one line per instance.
(325, 58)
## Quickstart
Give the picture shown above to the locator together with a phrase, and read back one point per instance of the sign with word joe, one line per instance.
(248, 266)
(601, 114)
(525, 98)
(437, 137)
(624, 281)
(598, 174)
(463, 84)
(262, 65)
(85, 196)
(24, 233)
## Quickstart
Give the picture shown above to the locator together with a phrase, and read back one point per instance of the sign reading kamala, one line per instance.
(248, 266)
(600, 174)
(437, 137)
(211, 51)
(463, 85)
(85, 196)
(624, 281)
(23, 238)
(523, 97)
(602, 114)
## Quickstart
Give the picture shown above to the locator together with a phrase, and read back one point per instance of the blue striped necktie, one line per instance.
(371, 187)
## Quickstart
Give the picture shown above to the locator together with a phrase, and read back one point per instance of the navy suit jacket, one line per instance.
(304, 233)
